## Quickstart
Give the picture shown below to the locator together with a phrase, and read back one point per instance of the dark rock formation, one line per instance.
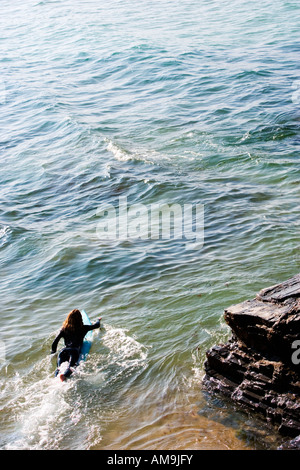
(259, 368)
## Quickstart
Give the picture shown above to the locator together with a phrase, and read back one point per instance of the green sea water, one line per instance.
(190, 102)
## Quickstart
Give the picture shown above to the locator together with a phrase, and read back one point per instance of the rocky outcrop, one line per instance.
(259, 368)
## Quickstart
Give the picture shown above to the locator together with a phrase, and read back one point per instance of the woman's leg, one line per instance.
(73, 358)
(63, 356)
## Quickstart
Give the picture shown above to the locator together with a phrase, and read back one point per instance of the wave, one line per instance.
(123, 155)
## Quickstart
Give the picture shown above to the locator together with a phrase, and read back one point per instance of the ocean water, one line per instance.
(154, 102)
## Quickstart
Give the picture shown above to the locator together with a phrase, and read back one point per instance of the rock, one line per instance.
(294, 444)
(257, 368)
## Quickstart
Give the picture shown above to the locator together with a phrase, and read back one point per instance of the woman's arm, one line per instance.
(93, 326)
(55, 342)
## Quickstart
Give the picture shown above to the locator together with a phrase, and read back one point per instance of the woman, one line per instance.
(73, 332)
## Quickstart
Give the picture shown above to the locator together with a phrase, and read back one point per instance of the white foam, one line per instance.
(122, 155)
(124, 349)
(43, 409)
(118, 153)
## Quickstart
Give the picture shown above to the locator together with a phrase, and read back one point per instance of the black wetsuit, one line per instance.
(73, 342)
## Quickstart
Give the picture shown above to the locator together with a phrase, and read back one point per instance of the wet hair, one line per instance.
(73, 321)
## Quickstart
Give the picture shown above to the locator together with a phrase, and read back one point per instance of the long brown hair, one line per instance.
(73, 321)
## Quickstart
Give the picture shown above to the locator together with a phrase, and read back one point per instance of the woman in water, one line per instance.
(73, 332)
